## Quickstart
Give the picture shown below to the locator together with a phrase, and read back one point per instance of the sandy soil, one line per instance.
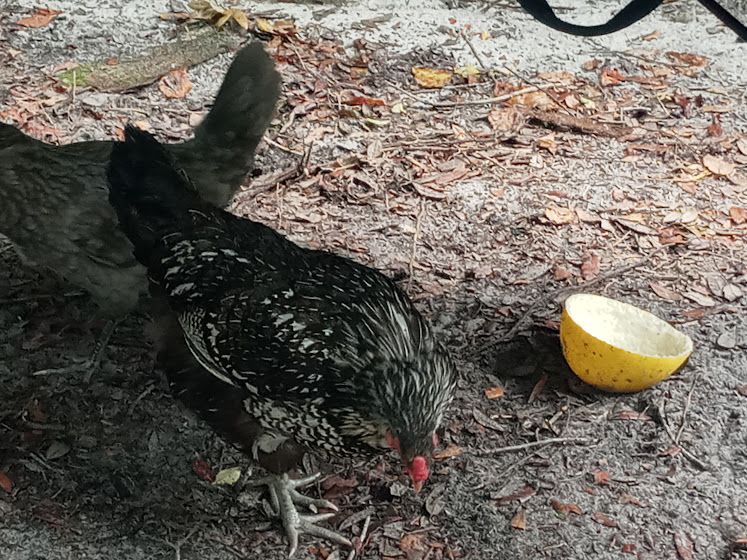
(489, 215)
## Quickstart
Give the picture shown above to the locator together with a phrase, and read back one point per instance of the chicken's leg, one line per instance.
(285, 497)
(92, 363)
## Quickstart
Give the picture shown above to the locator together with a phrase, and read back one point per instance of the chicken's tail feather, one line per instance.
(245, 103)
(150, 195)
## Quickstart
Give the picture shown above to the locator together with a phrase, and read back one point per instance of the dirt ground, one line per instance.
(492, 200)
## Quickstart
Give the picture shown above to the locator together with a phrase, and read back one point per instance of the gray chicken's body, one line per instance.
(54, 199)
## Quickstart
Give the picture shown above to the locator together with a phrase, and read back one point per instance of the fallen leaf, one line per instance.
(628, 548)
(467, 71)
(610, 77)
(227, 477)
(651, 36)
(505, 119)
(738, 215)
(450, 451)
(561, 273)
(717, 166)
(663, 292)
(538, 388)
(684, 546)
(727, 340)
(276, 27)
(742, 146)
(520, 496)
(732, 292)
(6, 483)
(602, 478)
(590, 266)
(56, 450)
(587, 217)
(494, 392)
(412, 545)
(560, 216)
(335, 486)
(565, 508)
(358, 100)
(715, 129)
(203, 470)
(485, 421)
(701, 299)
(519, 520)
(632, 500)
(175, 84)
(592, 64)
(431, 77)
(604, 519)
(688, 58)
(742, 390)
(632, 415)
(40, 18)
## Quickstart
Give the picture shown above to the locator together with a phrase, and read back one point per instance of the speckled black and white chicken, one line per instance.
(280, 348)
(54, 199)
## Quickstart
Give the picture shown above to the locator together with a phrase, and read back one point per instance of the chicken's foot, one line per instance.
(285, 496)
(90, 365)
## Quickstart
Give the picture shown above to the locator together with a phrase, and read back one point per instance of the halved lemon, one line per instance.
(618, 347)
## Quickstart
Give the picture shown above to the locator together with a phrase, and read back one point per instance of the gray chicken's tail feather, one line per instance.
(149, 193)
(245, 103)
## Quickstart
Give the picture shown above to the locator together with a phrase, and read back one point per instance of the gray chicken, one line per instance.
(279, 348)
(53, 199)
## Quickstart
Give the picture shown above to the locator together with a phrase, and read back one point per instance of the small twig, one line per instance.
(691, 456)
(485, 101)
(688, 401)
(139, 398)
(415, 238)
(362, 538)
(178, 546)
(279, 146)
(528, 445)
(474, 51)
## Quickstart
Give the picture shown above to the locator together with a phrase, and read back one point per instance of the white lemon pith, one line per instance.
(618, 347)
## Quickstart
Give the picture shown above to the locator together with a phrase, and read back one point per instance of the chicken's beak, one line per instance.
(417, 485)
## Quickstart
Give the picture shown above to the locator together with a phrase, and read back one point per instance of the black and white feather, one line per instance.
(324, 350)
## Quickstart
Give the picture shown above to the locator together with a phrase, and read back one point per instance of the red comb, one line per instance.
(419, 468)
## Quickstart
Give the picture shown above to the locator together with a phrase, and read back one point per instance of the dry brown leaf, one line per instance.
(5, 482)
(628, 548)
(431, 77)
(732, 292)
(738, 215)
(590, 266)
(715, 129)
(561, 273)
(447, 453)
(203, 470)
(175, 84)
(565, 508)
(358, 100)
(632, 500)
(604, 519)
(494, 392)
(521, 496)
(40, 18)
(717, 166)
(632, 415)
(532, 100)
(505, 119)
(548, 143)
(663, 292)
(602, 478)
(560, 216)
(651, 36)
(610, 77)
(592, 64)
(412, 545)
(742, 146)
(742, 390)
(468, 71)
(275, 27)
(688, 58)
(684, 546)
(519, 520)
(587, 217)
